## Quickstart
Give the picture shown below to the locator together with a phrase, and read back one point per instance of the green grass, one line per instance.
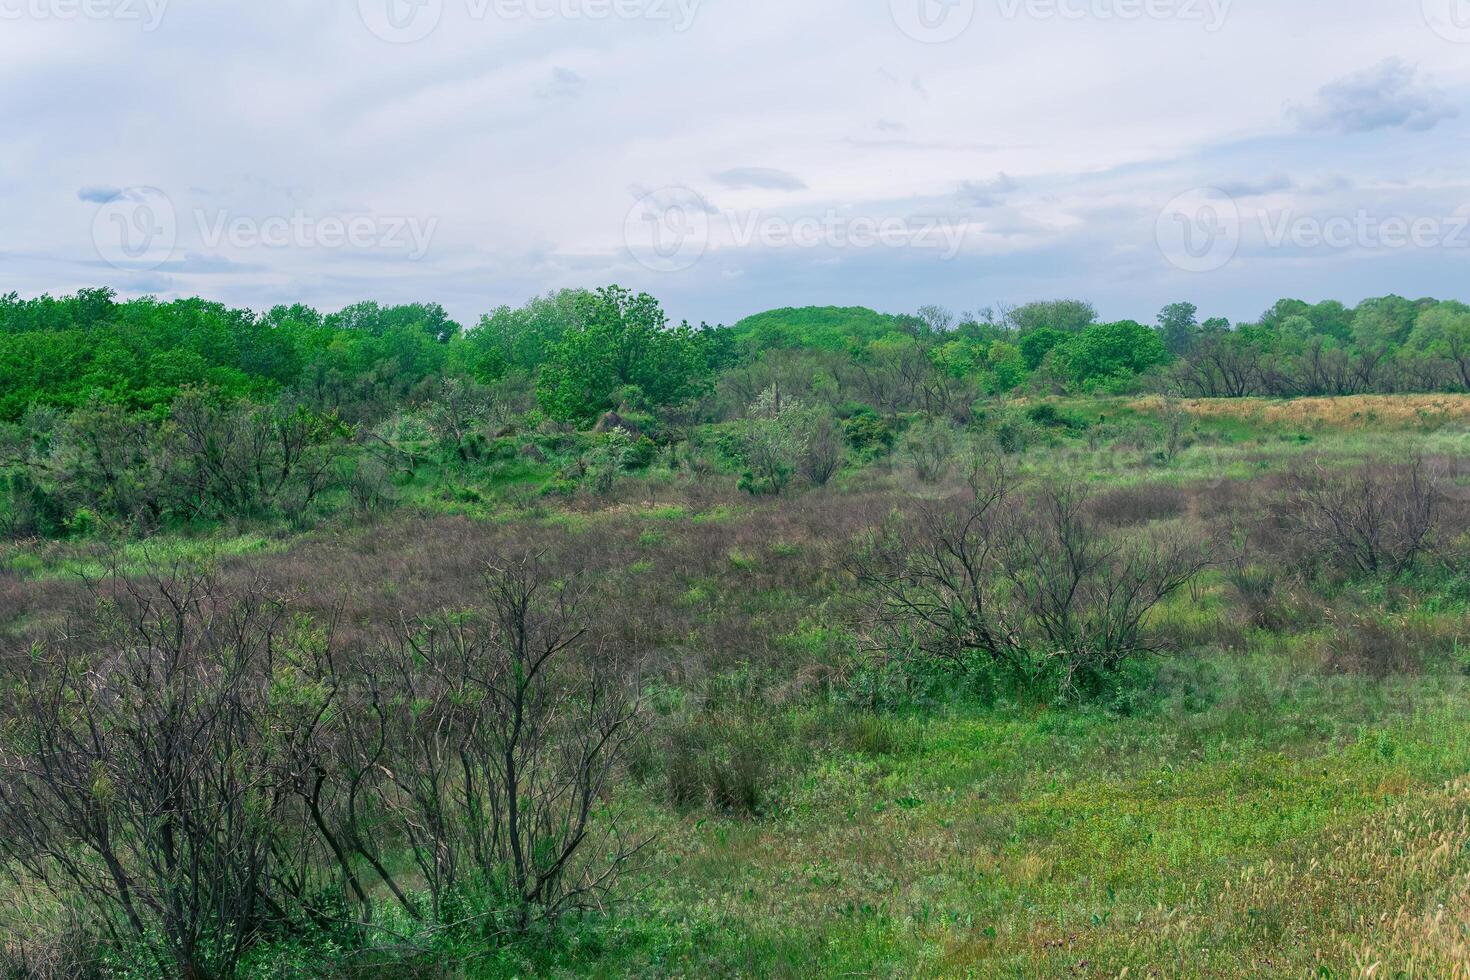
(95, 559)
(1024, 842)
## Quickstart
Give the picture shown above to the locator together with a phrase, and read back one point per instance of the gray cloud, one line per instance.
(1387, 96)
(565, 84)
(1258, 186)
(666, 198)
(987, 193)
(760, 178)
(99, 194)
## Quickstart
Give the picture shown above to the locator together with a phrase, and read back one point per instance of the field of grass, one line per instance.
(1379, 412)
(1245, 806)
(1292, 829)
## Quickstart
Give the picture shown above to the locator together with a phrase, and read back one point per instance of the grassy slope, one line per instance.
(1290, 826)
(819, 327)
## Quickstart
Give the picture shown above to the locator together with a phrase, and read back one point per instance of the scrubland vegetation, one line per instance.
(828, 644)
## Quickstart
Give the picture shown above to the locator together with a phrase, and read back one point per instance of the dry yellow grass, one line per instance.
(1349, 412)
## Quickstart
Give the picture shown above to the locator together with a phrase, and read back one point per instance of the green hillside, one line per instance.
(820, 327)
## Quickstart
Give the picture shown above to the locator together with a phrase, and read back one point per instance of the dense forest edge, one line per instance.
(156, 413)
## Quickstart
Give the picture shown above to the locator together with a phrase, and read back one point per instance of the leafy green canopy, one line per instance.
(585, 353)
(829, 328)
(70, 351)
(620, 348)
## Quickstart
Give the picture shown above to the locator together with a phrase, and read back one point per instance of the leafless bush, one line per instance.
(1139, 505)
(1376, 519)
(461, 411)
(232, 459)
(490, 755)
(1032, 586)
(192, 768)
(824, 449)
(930, 446)
(367, 483)
(1362, 643)
(1175, 423)
(138, 772)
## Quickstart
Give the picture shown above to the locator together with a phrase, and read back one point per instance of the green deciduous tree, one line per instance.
(621, 341)
(1112, 350)
(1178, 327)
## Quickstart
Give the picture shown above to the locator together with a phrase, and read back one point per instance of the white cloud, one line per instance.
(1058, 139)
(1390, 95)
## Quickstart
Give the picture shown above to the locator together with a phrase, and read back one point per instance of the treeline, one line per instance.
(586, 353)
(360, 362)
(153, 413)
(1385, 345)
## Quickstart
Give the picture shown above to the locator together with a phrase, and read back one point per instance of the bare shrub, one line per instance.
(193, 769)
(139, 771)
(1175, 424)
(1375, 645)
(930, 446)
(1377, 519)
(1139, 505)
(238, 459)
(367, 482)
(1031, 586)
(488, 741)
(461, 411)
(825, 447)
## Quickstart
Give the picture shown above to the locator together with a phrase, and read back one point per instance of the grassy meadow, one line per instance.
(1282, 790)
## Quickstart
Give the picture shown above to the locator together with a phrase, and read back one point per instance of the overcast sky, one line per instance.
(730, 156)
